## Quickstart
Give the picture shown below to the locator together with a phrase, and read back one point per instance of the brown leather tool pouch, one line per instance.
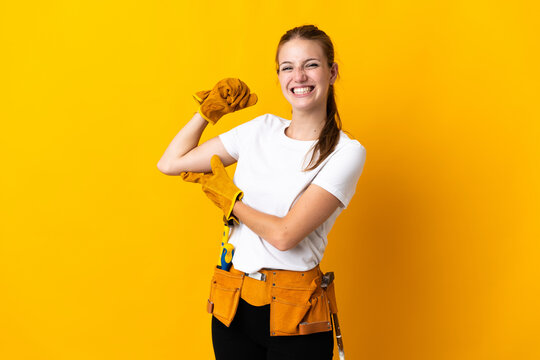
(318, 317)
(300, 310)
(287, 309)
(224, 295)
(298, 303)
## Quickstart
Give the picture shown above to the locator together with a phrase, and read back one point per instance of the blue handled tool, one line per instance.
(227, 250)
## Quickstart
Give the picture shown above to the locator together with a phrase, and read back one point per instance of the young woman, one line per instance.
(293, 178)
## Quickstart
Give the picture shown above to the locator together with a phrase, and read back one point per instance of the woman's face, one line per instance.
(304, 74)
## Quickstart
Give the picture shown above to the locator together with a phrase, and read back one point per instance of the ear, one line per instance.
(333, 73)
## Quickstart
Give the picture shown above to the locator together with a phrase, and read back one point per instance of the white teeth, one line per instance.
(303, 90)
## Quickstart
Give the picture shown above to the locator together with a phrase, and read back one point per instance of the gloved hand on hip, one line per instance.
(218, 186)
(227, 96)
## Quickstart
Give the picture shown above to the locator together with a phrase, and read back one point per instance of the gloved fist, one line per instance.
(218, 186)
(227, 96)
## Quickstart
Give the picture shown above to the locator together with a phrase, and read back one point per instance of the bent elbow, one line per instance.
(278, 241)
(285, 242)
(164, 168)
(161, 168)
(281, 247)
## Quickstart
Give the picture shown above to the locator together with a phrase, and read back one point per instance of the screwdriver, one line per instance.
(227, 249)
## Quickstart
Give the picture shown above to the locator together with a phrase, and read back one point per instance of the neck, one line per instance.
(306, 125)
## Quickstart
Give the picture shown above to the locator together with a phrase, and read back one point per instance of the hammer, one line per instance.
(327, 279)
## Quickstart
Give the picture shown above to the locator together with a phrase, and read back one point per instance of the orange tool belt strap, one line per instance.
(298, 304)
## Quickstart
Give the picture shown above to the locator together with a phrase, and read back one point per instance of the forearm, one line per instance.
(269, 227)
(186, 139)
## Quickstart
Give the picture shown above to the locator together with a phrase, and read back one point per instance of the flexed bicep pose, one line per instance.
(292, 180)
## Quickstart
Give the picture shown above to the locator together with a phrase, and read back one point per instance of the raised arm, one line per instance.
(184, 153)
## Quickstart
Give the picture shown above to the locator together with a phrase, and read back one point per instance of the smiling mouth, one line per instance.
(302, 90)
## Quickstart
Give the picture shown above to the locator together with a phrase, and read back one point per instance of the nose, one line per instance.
(299, 74)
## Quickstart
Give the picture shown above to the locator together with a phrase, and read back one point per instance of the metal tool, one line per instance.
(257, 276)
(327, 279)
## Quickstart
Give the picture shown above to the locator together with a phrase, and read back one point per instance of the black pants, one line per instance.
(248, 337)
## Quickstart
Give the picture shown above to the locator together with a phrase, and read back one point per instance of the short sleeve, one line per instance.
(230, 142)
(340, 174)
(234, 139)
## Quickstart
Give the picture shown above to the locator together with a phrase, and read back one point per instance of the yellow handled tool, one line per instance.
(227, 250)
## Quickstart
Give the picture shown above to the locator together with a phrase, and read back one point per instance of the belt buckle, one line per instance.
(257, 276)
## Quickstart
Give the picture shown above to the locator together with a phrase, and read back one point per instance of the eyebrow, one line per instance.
(284, 62)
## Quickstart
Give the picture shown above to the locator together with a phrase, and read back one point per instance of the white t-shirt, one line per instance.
(269, 172)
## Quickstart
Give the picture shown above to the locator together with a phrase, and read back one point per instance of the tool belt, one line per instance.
(298, 303)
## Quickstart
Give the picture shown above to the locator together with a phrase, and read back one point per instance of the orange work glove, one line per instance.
(227, 96)
(218, 186)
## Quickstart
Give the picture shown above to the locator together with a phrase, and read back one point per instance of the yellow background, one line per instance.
(104, 257)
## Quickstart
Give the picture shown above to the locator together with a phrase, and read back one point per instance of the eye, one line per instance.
(309, 65)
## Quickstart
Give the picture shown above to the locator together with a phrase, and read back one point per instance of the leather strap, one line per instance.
(308, 328)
